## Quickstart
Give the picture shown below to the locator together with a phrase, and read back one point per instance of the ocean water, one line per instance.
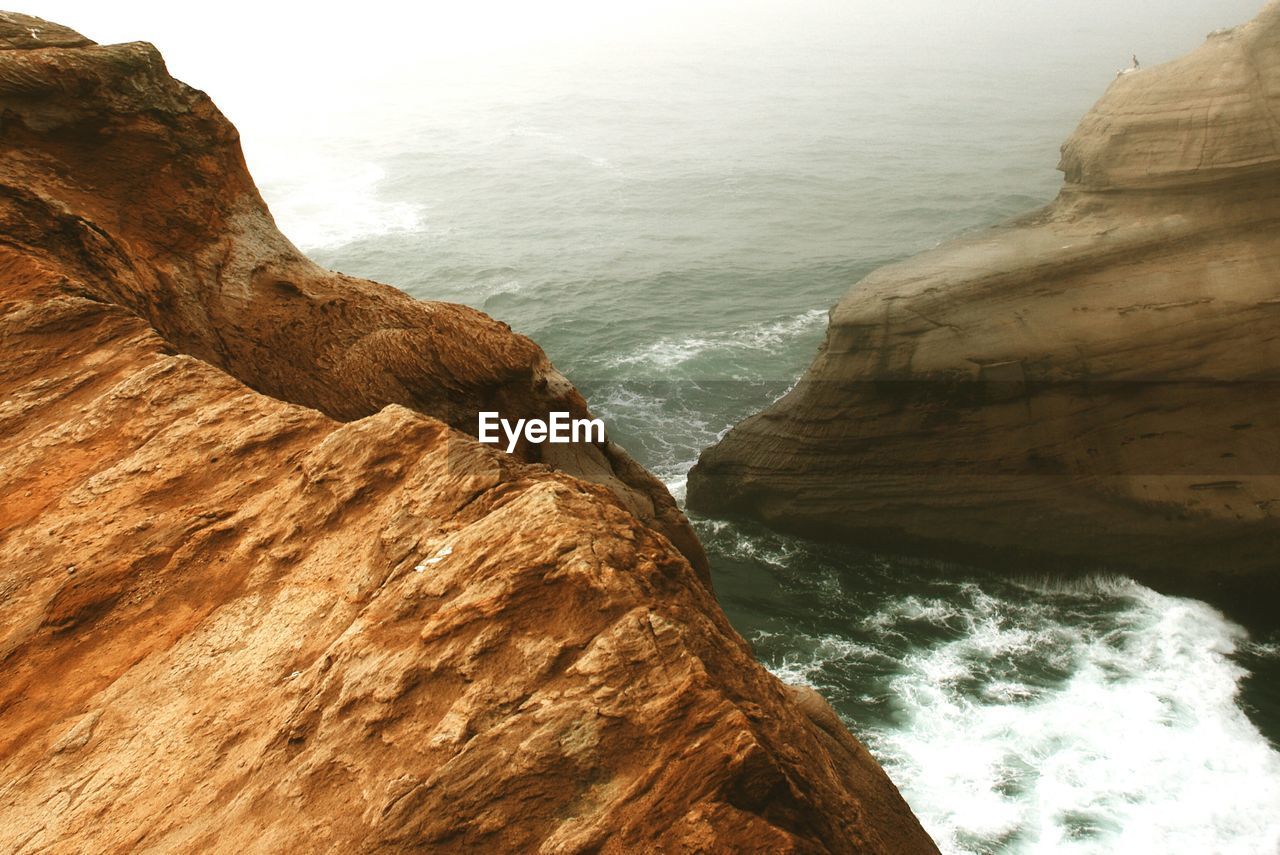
(671, 219)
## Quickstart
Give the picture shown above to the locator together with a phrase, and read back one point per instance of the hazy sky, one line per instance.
(236, 45)
(281, 70)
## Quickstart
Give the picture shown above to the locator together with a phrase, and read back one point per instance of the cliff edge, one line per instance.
(1088, 387)
(261, 590)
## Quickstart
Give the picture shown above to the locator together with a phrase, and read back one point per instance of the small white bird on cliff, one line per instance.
(1129, 70)
(35, 33)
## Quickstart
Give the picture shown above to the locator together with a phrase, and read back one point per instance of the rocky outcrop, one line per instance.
(1091, 386)
(261, 590)
(135, 185)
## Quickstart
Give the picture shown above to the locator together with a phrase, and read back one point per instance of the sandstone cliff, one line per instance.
(261, 591)
(1092, 386)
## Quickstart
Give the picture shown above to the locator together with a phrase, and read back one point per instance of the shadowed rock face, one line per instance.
(1091, 386)
(262, 592)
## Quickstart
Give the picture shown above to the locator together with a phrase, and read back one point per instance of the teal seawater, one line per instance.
(672, 227)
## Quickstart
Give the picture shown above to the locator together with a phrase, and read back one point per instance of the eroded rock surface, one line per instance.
(1090, 387)
(134, 186)
(261, 591)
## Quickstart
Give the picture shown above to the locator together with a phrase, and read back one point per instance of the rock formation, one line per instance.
(1090, 386)
(262, 592)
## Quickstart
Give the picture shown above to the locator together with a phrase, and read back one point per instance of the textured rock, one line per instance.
(261, 591)
(1091, 386)
(136, 183)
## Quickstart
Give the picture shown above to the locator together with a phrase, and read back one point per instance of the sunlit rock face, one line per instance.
(1090, 386)
(262, 591)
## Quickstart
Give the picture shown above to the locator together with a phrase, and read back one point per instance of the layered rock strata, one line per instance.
(261, 592)
(1092, 386)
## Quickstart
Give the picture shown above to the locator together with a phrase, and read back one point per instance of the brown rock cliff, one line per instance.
(134, 186)
(261, 592)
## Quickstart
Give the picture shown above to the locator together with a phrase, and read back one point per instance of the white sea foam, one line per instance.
(767, 547)
(670, 352)
(675, 440)
(324, 202)
(1263, 650)
(821, 653)
(1141, 748)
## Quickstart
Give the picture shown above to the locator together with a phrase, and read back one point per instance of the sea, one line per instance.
(669, 208)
